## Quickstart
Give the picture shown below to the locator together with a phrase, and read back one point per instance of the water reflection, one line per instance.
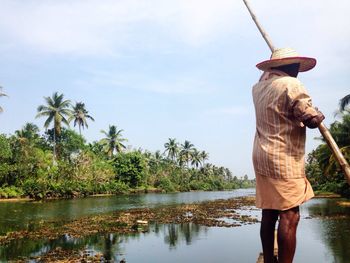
(112, 246)
(324, 234)
(29, 215)
(333, 227)
(182, 232)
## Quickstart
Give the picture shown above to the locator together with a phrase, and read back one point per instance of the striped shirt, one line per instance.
(281, 105)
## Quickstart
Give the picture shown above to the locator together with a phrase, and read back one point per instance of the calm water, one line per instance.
(323, 234)
(27, 215)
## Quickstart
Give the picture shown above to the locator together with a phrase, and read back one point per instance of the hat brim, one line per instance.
(306, 63)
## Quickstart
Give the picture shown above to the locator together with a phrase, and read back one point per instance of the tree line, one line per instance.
(322, 169)
(61, 163)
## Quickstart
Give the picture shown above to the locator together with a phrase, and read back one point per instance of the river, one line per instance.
(323, 233)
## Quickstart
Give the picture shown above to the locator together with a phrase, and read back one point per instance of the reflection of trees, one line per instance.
(30, 215)
(14, 216)
(19, 248)
(328, 207)
(27, 247)
(110, 245)
(110, 240)
(334, 228)
(172, 236)
(175, 233)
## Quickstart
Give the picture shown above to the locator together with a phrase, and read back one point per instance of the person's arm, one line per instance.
(301, 105)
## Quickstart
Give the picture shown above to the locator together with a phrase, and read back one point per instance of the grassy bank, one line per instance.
(35, 189)
(326, 194)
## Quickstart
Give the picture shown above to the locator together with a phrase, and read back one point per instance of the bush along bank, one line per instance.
(30, 168)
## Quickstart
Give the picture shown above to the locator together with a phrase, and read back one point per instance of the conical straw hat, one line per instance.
(285, 56)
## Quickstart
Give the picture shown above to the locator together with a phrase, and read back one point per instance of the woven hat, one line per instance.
(285, 56)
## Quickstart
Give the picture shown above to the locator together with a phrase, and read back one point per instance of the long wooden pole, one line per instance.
(335, 150)
(323, 129)
(262, 31)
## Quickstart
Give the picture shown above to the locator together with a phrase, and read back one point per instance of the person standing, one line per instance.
(283, 110)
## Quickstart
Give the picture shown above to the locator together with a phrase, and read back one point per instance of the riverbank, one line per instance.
(318, 194)
(130, 191)
(65, 189)
(324, 194)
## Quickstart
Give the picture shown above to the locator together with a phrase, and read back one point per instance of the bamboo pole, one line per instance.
(335, 150)
(261, 29)
(275, 249)
(323, 129)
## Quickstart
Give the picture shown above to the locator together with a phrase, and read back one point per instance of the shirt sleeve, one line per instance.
(299, 101)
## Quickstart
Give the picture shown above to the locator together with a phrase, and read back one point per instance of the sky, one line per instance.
(162, 69)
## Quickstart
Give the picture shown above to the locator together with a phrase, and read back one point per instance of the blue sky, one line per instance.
(162, 69)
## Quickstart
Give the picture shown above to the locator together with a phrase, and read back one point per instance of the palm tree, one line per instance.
(186, 152)
(80, 115)
(340, 131)
(344, 102)
(113, 141)
(56, 110)
(207, 169)
(158, 156)
(196, 158)
(29, 132)
(27, 136)
(2, 95)
(204, 156)
(172, 147)
(228, 174)
(147, 154)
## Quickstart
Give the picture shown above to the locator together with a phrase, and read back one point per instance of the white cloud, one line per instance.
(64, 26)
(177, 84)
(105, 27)
(102, 27)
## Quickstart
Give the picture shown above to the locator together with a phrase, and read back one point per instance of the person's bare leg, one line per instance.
(287, 229)
(267, 233)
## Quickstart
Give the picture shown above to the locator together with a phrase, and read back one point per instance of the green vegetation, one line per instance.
(60, 163)
(80, 116)
(324, 172)
(344, 102)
